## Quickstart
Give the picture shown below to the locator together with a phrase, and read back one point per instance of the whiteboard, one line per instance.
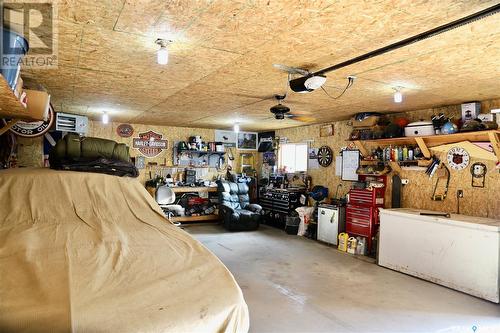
(350, 163)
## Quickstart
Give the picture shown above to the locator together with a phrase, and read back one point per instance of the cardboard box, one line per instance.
(38, 103)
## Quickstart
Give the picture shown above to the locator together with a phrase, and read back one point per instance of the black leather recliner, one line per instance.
(235, 210)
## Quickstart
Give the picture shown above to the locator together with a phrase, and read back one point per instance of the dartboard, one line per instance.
(325, 156)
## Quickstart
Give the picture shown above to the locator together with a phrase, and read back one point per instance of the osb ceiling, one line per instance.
(220, 69)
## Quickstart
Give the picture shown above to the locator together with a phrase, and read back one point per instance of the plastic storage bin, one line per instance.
(292, 225)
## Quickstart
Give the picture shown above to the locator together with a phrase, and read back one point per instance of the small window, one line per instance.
(293, 157)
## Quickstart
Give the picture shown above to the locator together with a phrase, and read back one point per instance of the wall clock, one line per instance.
(478, 172)
(458, 158)
(325, 156)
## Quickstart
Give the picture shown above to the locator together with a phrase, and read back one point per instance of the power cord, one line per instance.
(349, 85)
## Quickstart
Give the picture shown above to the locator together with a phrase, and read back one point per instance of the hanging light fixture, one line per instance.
(105, 118)
(398, 96)
(162, 55)
(236, 128)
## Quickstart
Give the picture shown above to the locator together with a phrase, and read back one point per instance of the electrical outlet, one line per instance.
(460, 194)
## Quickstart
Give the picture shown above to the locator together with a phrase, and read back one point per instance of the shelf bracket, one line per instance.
(423, 147)
(362, 148)
(8, 126)
(395, 167)
(495, 143)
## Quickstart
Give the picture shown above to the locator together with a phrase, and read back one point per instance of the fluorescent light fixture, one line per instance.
(398, 97)
(236, 128)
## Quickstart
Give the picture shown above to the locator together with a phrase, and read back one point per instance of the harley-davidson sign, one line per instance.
(150, 143)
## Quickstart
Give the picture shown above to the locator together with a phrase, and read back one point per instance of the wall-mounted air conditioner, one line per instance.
(66, 122)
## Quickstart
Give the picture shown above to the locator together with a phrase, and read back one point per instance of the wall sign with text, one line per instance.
(150, 144)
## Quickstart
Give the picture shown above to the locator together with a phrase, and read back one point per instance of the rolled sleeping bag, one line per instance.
(73, 146)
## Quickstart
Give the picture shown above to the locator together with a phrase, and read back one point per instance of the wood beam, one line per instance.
(495, 143)
(423, 147)
(8, 126)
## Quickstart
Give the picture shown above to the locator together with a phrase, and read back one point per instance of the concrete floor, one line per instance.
(292, 284)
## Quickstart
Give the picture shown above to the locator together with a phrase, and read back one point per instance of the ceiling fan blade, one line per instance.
(298, 112)
(254, 96)
(303, 119)
(291, 70)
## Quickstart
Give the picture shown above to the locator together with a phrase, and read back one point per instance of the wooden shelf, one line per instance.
(415, 165)
(201, 218)
(435, 140)
(200, 152)
(10, 106)
(187, 189)
(369, 162)
(8, 126)
(425, 142)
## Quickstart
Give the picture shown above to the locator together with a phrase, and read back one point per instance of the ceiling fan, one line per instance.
(307, 81)
(281, 111)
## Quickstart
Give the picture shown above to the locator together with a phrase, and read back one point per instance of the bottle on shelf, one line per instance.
(410, 153)
(417, 153)
(405, 153)
(379, 154)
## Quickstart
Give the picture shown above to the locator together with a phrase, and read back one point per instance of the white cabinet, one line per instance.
(331, 222)
(460, 252)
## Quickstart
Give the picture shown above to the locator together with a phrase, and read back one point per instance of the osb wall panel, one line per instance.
(169, 133)
(417, 194)
(30, 150)
(322, 176)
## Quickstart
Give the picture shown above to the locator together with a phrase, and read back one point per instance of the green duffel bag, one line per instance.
(73, 146)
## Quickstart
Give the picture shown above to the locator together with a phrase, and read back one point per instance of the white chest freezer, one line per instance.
(331, 222)
(460, 252)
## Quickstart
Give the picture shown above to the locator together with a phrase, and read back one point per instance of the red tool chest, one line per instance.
(362, 211)
(374, 197)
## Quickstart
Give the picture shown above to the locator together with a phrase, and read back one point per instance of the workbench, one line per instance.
(200, 218)
(189, 189)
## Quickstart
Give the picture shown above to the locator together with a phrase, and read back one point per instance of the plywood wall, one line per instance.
(476, 202)
(30, 150)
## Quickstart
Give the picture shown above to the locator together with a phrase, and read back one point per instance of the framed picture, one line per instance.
(326, 130)
(228, 138)
(247, 141)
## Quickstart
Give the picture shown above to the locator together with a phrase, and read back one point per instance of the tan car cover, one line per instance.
(82, 252)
